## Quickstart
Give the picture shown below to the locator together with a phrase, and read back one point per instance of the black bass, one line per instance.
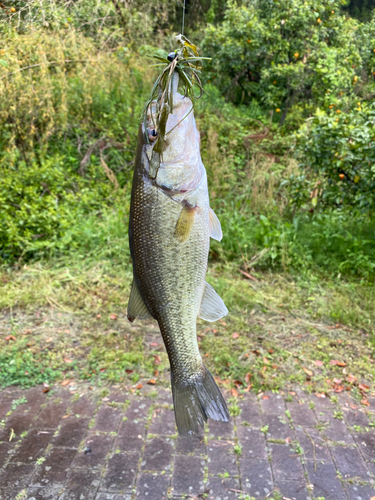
(169, 232)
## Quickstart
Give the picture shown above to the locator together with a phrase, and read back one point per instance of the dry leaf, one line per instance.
(318, 363)
(206, 355)
(248, 388)
(157, 359)
(67, 360)
(152, 381)
(139, 386)
(365, 402)
(129, 371)
(320, 395)
(363, 387)
(113, 316)
(154, 344)
(351, 378)
(265, 397)
(265, 360)
(337, 363)
(354, 407)
(10, 337)
(235, 335)
(49, 340)
(66, 416)
(292, 393)
(65, 382)
(234, 393)
(308, 372)
(247, 377)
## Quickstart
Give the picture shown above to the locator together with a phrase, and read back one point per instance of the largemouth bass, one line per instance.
(169, 232)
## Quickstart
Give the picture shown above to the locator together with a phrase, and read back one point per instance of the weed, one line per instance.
(264, 429)
(17, 402)
(237, 448)
(40, 461)
(338, 414)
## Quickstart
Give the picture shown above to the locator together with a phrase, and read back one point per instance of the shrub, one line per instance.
(339, 148)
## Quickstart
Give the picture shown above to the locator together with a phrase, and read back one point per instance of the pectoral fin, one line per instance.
(212, 306)
(136, 306)
(215, 226)
(185, 223)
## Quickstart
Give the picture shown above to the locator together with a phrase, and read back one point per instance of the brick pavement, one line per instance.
(74, 443)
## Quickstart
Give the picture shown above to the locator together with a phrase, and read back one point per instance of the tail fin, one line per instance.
(197, 400)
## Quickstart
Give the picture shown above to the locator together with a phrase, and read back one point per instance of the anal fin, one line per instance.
(215, 226)
(212, 305)
(185, 223)
(136, 306)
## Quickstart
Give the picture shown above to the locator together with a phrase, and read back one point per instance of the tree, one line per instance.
(291, 55)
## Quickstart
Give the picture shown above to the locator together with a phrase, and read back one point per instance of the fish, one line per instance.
(170, 226)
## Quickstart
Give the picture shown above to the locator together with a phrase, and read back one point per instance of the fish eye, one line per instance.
(152, 134)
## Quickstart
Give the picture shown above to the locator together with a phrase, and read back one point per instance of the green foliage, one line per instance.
(339, 147)
(291, 55)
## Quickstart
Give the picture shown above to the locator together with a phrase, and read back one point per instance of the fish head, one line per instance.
(181, 167)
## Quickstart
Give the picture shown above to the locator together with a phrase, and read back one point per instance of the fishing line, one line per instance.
(183, 19)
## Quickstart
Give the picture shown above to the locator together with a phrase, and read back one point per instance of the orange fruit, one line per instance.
(278, 110)
(319, 21)
(342, 176)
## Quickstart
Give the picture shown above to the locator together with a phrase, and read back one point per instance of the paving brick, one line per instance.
(153, 486)
(107, 419)
(360, 491)
(157, 455)
(223, 430)
(221, 458)
(222, 488)
(277, 427)
(14, 479)
(19, 423)
(302, 414)
(187, 475)
(313, 443)
(323, 477)
(72, 432)
(6, 452)
(112, 496)
(163, 422)
(138, 410)
(253, 442)
(132, 436)
(190, 445)
(256, 478)
(55, 468)
(338, 432)
(350, 463)
(250, 411)
(356, 417)
(100, 445)
(35, 398)
(121, 472)
(85, 406)
(5, 407)
(51, 415)
(293, 490)
(81, 484)
(366, 445)
(51, 492)
(274, 405)
(32, 447)
(286, 463)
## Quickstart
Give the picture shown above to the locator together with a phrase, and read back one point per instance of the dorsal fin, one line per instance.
(215, 226)
(136, 306)
(212, 305)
